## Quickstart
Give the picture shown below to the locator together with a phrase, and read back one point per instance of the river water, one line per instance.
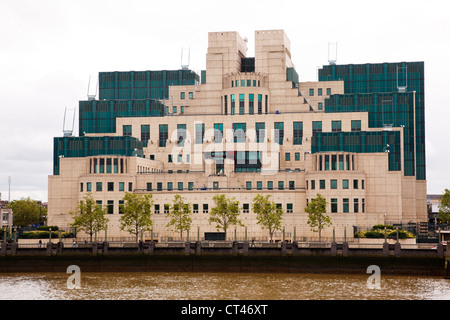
(220, 286)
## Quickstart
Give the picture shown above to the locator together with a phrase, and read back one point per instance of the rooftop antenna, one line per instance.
(69, 131)
(185, 66)
(402, 81)
(332, 53)
(90, 95)
(385, 104)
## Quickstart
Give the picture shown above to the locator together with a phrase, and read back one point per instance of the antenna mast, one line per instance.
(185, 66)
(68, 132)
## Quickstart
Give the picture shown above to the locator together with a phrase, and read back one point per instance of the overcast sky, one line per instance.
(50, 48)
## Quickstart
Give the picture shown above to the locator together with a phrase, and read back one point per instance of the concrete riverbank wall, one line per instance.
(235, 257)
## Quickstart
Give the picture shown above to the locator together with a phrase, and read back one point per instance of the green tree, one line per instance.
(89, 216)
(317, 219)
(267, 214)
(180, 215)
(224, 213)
(27, 211)
(444, 207)
(137, 213)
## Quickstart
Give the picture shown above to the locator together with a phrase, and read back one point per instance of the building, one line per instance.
(249, 127)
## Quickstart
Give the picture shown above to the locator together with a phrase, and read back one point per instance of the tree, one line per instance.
(267, 214)
(444, 207)
(27, 211)
(224, 213)
(317, 219)
(180, 215)
(89, 216)
(137, 213)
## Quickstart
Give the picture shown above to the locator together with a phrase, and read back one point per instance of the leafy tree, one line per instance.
(444, 207)
(180, 215)
(317, 219)
(137, 213)
(27, 211)
(267, 214)
(89, 216)
(224, 213)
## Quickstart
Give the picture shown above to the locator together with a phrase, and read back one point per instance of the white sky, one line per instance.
(50, 48)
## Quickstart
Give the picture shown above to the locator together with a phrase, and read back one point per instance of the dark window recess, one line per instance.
(247, 64)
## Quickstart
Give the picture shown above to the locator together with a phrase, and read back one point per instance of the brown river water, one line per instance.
(219, 286)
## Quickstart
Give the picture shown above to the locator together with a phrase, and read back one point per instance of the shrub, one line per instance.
(47, 228)
(45, 235)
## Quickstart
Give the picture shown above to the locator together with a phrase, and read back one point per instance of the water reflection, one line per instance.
(220, 286)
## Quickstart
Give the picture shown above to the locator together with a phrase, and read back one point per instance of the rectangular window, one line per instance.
(89, 187)
(334, 205)
(328, 91)
(163, 134)
(269, 185)
(280, 185)
(110, 206)
(345, 184)
(279, 132)
(191, 185)
(180, 186)
(291, 185)
(195, 208)
(159, 186)
(182, 95)
(287, 156)
(149, 186)
(169, 158)
(356, 125)
(121, 206)
(363, 205)
(205, 208)
(199, 133)
(355, 184)
(81, 187)
(226, 104)
(127, 130)
(317, 127)
(245, 208)
(298, 132)
(320, 106)
(216, 185)
(218, 132)
(341, 162)
(311, 92)
(181, 134)
(356, 205)
(333, 162)
(174, 109)
(182, 109)
(166, 209)
(99, 186)
(327, 162)
(251, 103)
(336, 126)
(259, 185)
(242, 103)
(145, 132)
(248, 185)
(260, 131)
(157, 209)
(239, 130)
(169, 186)
(313, 184)
(191, 95)
(319, 91)
(249, 83)
(110, 186)
(267, 103)
(233, 103)
(259, 103)
(297, 156)
(108, 165)
(345, 205)
(242, 83)
(130, 186)
(289, 208)
(322, 184)
(333, 184)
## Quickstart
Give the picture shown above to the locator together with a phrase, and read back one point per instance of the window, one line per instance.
(259, 185)
(81, 187)
(313, 184)
(205, 208)
(89, 187)
(159, 186)
(328, 91)
(191, 95)
(110, 186)
(345, 184)
(242, 103)
(216, 185)
(174, 109)
(99, 186)
(181, 134)
(311, 92)
(180, 186)
(157, 209)
(195, 208)
(110, 206)
(259, 103)
(279, 132)
(322, 184)
(287, 156)
(130, 186)
(345, 205)
(218, 132)
(298, 132)
(248, 185)
(225, 111)
(260, 131)
(297, 156)
(121, 206)
(320, 106)
(242, 83)
(291, 185)
(336, 126)
(233, 103)
(182, 109)
(319, 91)
(363, 205)
(182, 95)
(190, 185)
(166, 209)
(245, 208)
(163, 134)
(280, 185)
(355, 184)
(127, 130)
(333, 184)
(149, 186)
(356, 205)
(317, 127)
(249, 83)
(251, 103)
(356, 125)
(334, 205)
(169, 158)
(270, 185)
(289, 208)
(362, 184)
(239, 130)
(145, 132)
(169, 186)
(199, 133)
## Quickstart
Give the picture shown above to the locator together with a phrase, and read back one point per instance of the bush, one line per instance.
(45, 235)
(382, 226)
(47, 228)
(377, 232)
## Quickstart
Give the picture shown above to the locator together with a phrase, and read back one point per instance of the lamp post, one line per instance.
(50, 234)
